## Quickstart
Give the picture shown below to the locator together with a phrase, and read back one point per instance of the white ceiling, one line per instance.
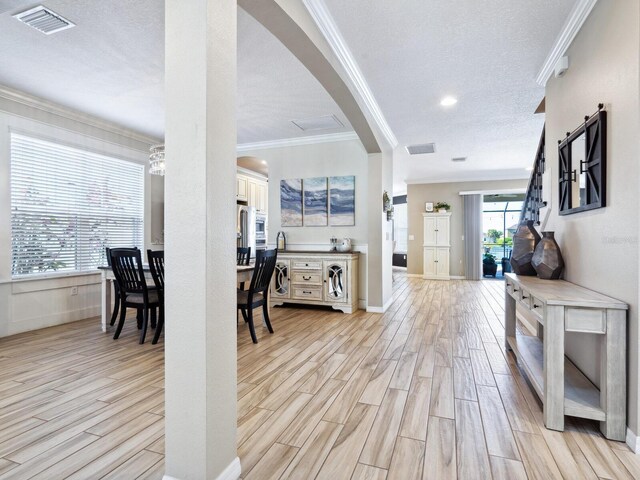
(411, 52)
(487, 54)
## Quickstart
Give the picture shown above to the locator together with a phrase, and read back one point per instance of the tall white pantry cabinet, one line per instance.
(436, 245)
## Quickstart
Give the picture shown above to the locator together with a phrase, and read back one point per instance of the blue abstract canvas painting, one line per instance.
(291, 203)
(342, 201)
(316, 202)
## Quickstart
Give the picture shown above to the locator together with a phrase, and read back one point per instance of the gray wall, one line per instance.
(601, 247)
(419, 194)
(319, 160)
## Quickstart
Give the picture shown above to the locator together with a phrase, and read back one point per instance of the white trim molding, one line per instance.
(75, 115)
(493, 192)
(633, 441)
(327, 26)
(232, 472)
(373, 309)
(570, 29)
(295, 141)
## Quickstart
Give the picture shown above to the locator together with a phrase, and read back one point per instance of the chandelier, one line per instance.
(156, 160)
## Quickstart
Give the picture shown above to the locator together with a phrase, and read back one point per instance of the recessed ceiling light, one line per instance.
(448, 101)
(264, 162)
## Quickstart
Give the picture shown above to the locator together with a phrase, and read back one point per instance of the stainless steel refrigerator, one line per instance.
(247, 228)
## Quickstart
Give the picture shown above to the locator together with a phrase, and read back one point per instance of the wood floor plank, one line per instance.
(407, 460)
(464, 386)
(274, 462)
(367, 472)
(378, 383)
(536, 457)
(481, 369)
(343, 457)
(416, 411)
(440, 456)
(442, 404)
(378, 449)
(497, 431)
(135, 466)
(310, 458)
(507, 469)
(471, 451)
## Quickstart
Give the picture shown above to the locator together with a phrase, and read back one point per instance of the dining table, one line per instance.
(244, 273)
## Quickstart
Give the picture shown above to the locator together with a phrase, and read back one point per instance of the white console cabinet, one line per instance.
(436, 245)
(316, 278)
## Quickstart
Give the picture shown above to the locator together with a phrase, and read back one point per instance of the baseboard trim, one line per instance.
(633, 441)
(383, 309)
(456, 277)
(362, 304)
(232, 472)
(414, 275)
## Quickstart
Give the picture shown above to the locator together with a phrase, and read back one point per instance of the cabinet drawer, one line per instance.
(590, 320)
(537, 307)
(524, 298)
(306, 264)
(509, 286)
(307, 278)
(308, 293)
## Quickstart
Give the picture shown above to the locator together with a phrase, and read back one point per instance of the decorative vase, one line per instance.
(547, 259)
(525, 241)
(442, 210)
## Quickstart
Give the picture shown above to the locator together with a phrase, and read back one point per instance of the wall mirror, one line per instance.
(582, 166)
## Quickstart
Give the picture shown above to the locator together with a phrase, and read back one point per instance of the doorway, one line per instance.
(500, 216)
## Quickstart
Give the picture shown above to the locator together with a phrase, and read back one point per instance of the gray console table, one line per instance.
(556, 307)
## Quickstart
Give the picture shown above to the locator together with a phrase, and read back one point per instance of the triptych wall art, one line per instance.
(318, 202)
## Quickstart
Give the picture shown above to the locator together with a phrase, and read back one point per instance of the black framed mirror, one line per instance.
(582, 169)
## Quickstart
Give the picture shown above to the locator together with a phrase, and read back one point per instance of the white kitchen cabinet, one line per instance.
(257, 194)
(242, 188)
(316, 278)
(436, 245)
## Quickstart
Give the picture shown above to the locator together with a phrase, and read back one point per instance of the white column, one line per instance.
(200, 335)
(380, 234)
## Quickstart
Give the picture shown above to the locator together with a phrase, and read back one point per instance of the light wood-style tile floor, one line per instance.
(424, 391)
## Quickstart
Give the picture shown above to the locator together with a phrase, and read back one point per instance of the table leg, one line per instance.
(509, 318)
(613, 376)
(554, 368)
(106, 300)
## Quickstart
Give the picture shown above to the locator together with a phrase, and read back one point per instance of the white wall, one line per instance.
(32, 304)
(319, 160)
(600, 247)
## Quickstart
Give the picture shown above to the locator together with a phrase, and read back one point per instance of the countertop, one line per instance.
(317, 252)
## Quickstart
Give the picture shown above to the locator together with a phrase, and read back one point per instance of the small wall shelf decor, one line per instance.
(582, 171)
(442, 207)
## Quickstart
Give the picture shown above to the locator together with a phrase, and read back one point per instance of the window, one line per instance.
(400, 227)
(68, 204)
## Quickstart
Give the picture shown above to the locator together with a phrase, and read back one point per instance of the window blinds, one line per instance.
(68, 204)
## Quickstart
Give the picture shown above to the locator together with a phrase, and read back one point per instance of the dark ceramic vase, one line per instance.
(525, 241)
(547, 259)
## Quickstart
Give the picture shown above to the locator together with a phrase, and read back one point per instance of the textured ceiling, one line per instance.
(487, 54)
(411, 52)
(111, 65)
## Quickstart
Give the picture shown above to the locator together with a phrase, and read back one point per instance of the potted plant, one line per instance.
(489, 265)
(442, 207)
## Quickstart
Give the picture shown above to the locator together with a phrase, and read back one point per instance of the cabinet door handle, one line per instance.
(536, 305)
(308, 293)
(306, 278)
(516, 290)
(524, 298)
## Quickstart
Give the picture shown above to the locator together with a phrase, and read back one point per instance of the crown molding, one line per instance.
(47, 106)
(323, 19)
(570, 29)
(472, 176)
(292, 142)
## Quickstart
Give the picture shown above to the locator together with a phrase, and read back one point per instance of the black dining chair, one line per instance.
(243, 255)
(116, 287)
(256, 296)
(127, 268)
(243, 258)
(156, 266)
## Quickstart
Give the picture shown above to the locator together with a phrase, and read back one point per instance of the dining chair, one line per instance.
(127, 268)
(156, 266)
(243, 258)
(256, 296)
(116, 287)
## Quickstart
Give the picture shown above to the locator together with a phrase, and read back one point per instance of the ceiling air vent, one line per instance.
(420, 149)
(44, 20)
(459, 159)
(318, 123)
